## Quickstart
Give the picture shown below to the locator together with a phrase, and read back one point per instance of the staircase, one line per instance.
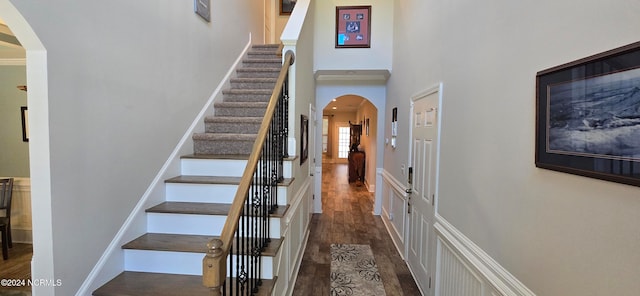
(167, 260)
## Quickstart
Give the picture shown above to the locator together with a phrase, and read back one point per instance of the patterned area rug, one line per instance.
(354, 271)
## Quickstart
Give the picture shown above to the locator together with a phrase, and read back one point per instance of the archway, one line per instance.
(39, 155)
(374, 95)
(339, 115)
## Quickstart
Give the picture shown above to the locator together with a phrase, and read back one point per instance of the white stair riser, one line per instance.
(213, 167)
(196, 224)
(189, 192)
(218, 193)
(221, 167)
(288, 170)
(178, 262)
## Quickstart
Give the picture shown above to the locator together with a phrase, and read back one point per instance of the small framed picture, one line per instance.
(286, 6)
(25, 123)
(353, 27)
(304, 138)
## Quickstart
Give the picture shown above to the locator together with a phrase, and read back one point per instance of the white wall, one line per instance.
(125, 80)
(559, 234)
(327, 57)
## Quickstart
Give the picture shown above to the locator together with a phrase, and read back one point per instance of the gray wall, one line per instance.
(559, 234)
(14, 159)
(126, 79)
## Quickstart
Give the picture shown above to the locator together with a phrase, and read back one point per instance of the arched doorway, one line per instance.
(339, 116)
(39, 160)
(375, 94)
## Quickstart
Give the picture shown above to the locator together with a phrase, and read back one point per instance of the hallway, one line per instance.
(347, 219)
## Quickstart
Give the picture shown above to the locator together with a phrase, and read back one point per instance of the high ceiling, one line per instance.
(10, 48)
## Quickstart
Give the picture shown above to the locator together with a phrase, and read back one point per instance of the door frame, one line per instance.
(432, 248)
(42, 263)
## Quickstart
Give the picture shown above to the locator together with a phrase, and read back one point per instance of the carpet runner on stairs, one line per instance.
(236, 120)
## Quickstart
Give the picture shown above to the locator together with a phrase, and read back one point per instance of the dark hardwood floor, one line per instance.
(17, 267)
(347, 219)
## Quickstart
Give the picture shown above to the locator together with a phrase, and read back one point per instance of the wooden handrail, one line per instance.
(214, 264)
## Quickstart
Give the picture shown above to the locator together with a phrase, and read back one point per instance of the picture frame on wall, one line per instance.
(304, 138)
(286, 6)
(25, 123)
(353, 26)
(588, 116)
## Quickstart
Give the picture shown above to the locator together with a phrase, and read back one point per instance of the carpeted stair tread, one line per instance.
(241, 104)
(253, 83)
(130, 283)
(272, 46)
(265, 62)
(224, 137)
(255, 79)
(185, 243)
(264, 53)
(232, 125)
(240, 109)
(247, 91)
(202, 208)
(247, 95)
(246, 72)
(229, 119)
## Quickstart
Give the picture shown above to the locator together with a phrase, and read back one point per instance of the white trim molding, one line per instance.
(479, 262)
(395, 184)
(13, 62)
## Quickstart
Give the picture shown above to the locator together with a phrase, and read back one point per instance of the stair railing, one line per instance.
(237, 253)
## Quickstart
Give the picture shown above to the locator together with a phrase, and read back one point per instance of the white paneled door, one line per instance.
(424, 154)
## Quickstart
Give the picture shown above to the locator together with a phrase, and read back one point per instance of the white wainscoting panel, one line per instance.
(456, 278)
(21, 229)
(394, 210)
(464, 269)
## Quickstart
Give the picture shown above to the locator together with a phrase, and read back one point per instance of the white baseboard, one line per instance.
(484, 268)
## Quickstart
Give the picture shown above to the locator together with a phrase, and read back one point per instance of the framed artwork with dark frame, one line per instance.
(286, 6)
(353, 27)
(25, 123)
(304, 138)
(588, 116)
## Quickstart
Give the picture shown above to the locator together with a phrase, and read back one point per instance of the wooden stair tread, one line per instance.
(185, 243)
(131, 283)
(200, 208)
(190, 179)
(227, 156)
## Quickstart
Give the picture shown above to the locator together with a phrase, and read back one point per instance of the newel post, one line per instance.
(214, 267)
